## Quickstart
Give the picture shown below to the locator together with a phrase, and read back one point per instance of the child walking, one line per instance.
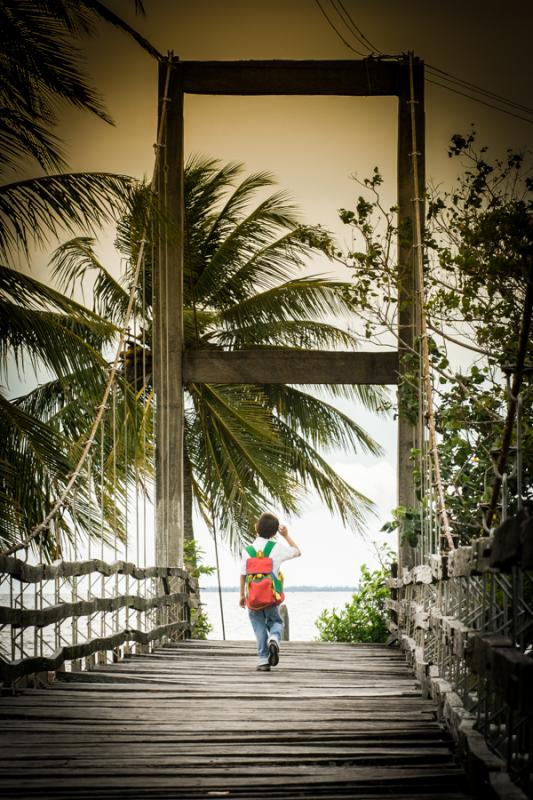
(266, 621)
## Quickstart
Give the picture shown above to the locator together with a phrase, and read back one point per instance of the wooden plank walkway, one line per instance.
(196, 720)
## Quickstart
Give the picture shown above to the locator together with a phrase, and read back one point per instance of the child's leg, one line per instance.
(258, 620)
(274, 623)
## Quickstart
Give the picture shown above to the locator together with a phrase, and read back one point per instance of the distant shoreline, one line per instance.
(351, 589)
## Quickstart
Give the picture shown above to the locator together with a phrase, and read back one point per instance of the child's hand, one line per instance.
(284, 531)
(242, 602)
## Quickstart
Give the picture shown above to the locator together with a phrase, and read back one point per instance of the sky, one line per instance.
(313, 146)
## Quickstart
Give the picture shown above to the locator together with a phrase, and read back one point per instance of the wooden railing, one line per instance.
(73, 614)
(466, 625)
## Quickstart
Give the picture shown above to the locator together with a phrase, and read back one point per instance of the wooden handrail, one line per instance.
(29, 617)
(12, 670)
(29, 573)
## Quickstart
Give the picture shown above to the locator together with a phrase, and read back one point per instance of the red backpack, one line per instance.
(263, 589)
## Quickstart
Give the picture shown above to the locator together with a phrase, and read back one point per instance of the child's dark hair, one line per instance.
(267, 525)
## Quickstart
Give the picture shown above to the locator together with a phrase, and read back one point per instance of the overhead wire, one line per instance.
(474, 86)
(479, 100)
(472, 89)
(339, 34)
(351, 24)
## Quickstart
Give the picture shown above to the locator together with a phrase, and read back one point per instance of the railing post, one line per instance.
(284, 612)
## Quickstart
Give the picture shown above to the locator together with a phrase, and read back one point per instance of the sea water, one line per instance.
(304, 608)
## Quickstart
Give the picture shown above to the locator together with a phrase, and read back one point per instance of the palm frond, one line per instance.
(72, 262)
(322, 425)
(373, 397)
(235, 249)
(27, 292)
(66, 403)
(40, 59)
(55, 341)
(198, 327)
(22, 135)
(120, 464)
(205, 183)
(42, 461)
(303, 334)
(237, 456)
(235, 208)
(312, 469)
(33, 210)
(108, 15)
(301, 298)
(269, 264)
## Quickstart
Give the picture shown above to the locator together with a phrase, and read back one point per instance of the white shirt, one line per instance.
(280, 553)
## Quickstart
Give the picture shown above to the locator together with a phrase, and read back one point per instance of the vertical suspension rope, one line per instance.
(424, 341)
(102, 523)
(89, 544)
(215, 537)
(126, 578)
(166, 364)
(203, 425)
(144, 373)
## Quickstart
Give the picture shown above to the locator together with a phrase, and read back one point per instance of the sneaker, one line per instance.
(263, 668)
(273, 653)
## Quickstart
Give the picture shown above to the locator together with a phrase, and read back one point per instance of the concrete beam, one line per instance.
(289, 366)
(348, 77)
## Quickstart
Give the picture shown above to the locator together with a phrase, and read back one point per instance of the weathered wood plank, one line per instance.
(196, 726)
(290, 366)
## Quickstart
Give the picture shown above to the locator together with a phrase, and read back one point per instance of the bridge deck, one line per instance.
(196, 720)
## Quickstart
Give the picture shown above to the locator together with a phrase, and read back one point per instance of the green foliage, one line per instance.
(193, 556)
(364, 618)
(479, 250)
(255, 446)
(193, 561)
(408, 521)
(201, 627)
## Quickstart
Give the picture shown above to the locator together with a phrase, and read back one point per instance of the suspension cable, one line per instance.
(424, 341)
(205, 434)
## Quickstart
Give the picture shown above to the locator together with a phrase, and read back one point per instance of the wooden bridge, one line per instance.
(195, 719)
(105, 694)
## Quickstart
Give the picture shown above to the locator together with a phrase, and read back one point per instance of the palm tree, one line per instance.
(246, 446)
(41, 67)
(42, 432)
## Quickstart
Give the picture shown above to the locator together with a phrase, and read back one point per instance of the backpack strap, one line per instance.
(269, 547)
(252, 552)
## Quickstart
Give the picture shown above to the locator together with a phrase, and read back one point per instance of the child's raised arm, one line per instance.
(284, 531)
